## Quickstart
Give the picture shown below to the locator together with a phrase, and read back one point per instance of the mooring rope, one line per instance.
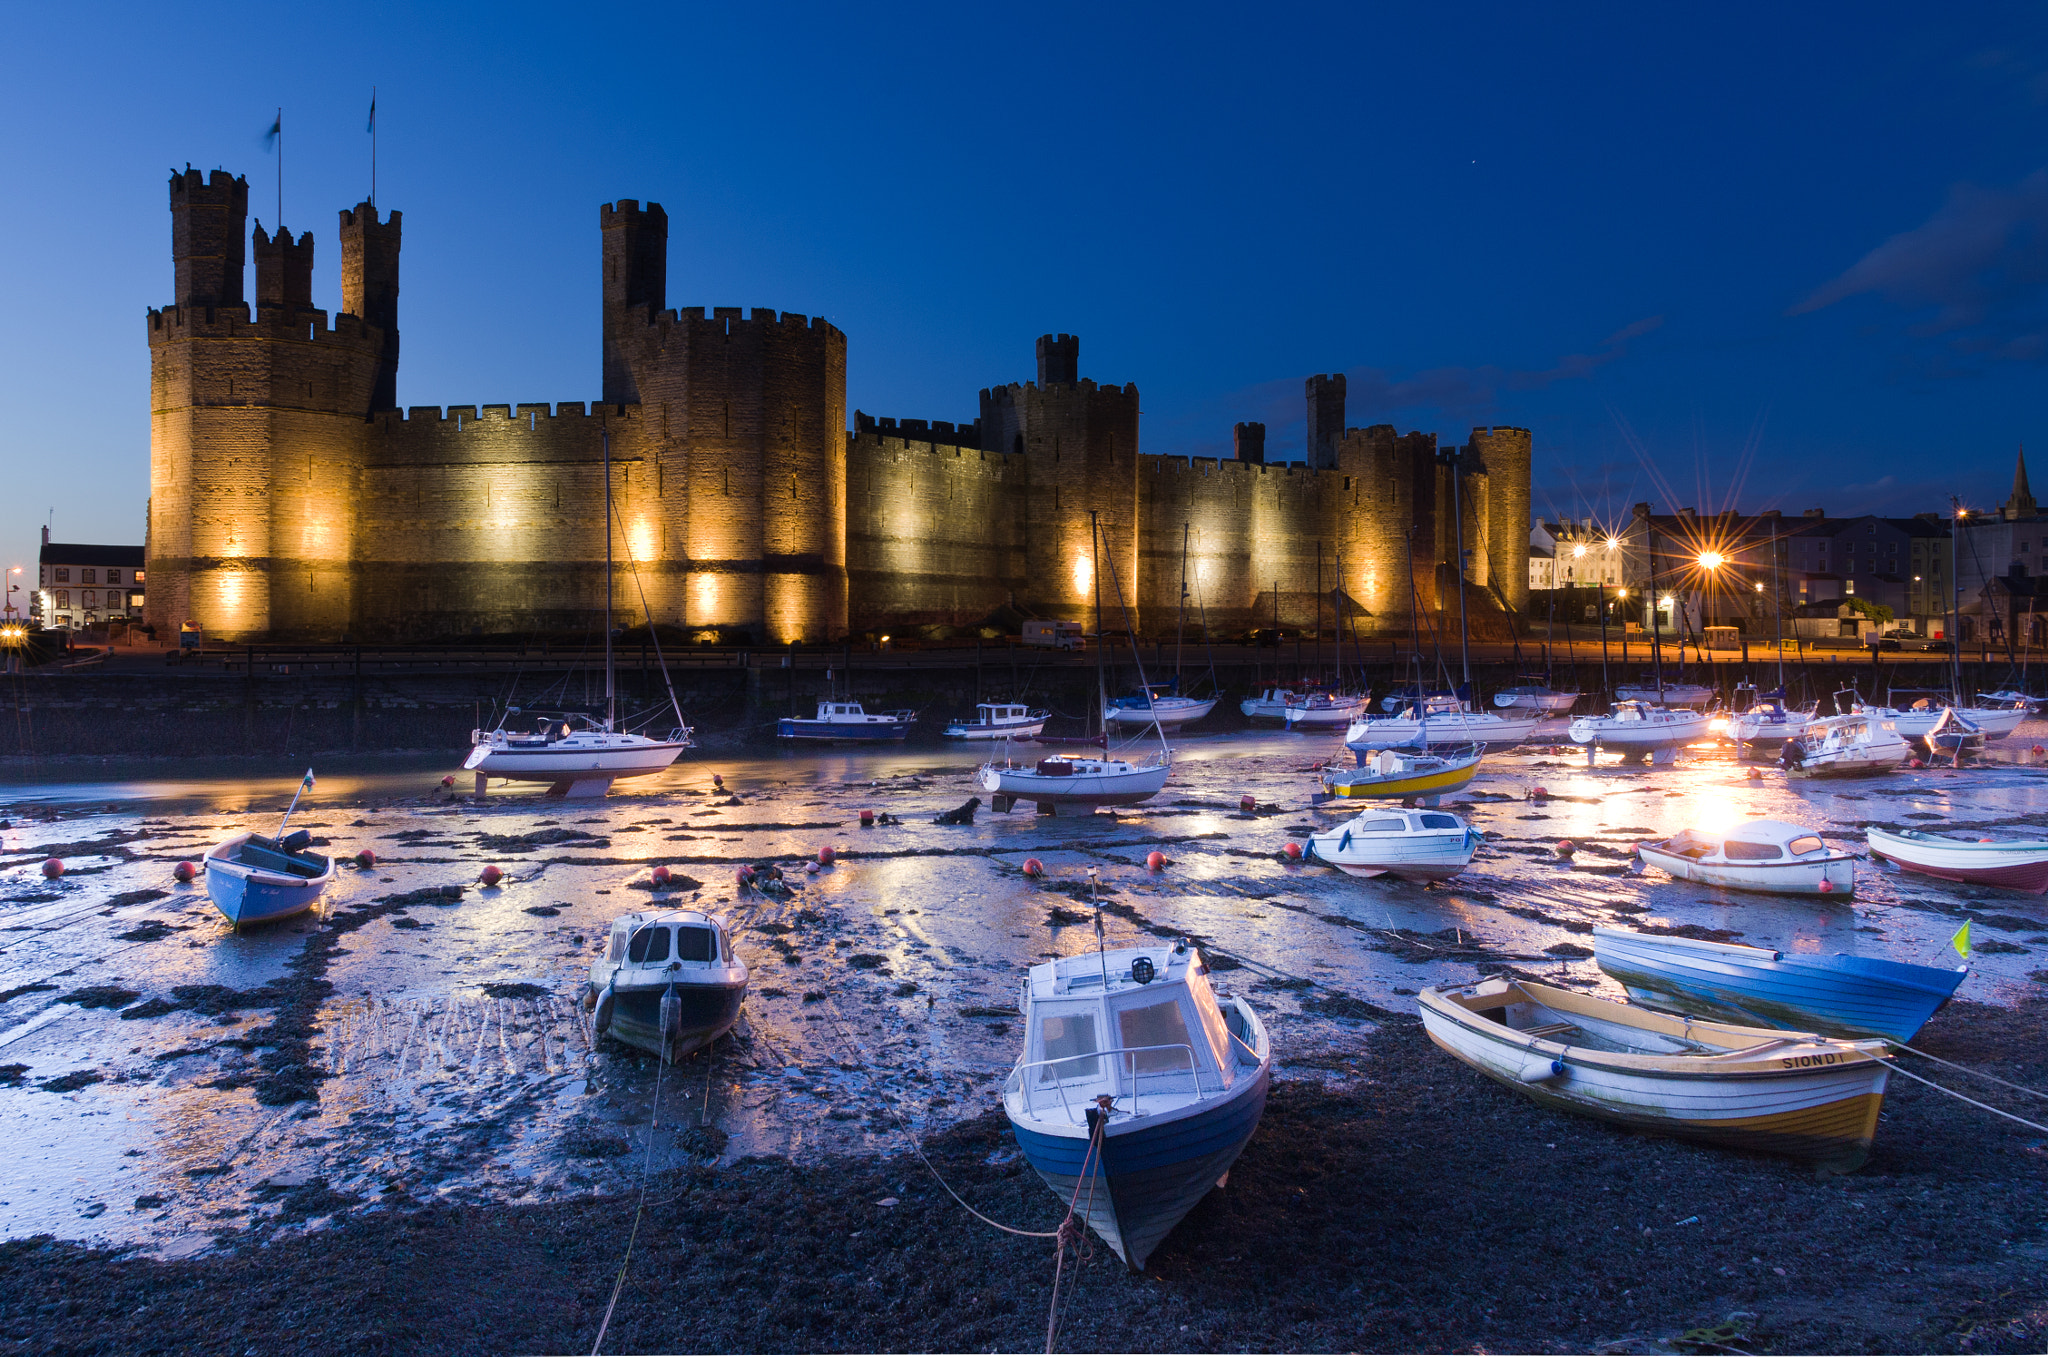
(1071, 1231)
(2031, 1125)
(646, 1171)
(1900, 1045)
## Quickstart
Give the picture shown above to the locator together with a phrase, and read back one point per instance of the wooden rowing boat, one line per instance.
(2014, 865)
(1750, 1088)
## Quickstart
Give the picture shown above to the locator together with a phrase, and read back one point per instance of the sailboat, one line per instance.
(1318, 708)
(1077, 785)
(575, 752)
(1163, 704)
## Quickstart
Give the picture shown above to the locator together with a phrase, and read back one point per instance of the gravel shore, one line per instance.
(1407, 1205)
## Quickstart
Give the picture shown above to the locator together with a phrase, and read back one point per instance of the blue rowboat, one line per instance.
(1136, 1089)
(840, 721)
(252, 879)
(1836, 995)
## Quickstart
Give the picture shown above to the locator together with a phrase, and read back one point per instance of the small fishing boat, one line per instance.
(1792, 1093)
(1955, 734)
(574, 753)
(1399, 774)
(1071, 785)
(1271, 704)
(1761, 855)
(1539, 698)
(1324, 711)
(999, 721)
(1156, 704)
(1845, 746)
(2007, 696)
(1439, 720)
(1408, 694)
(253, 879)
(1837, 996)
(1635, 729)
(1666, 695)
(668, 982)
(2014, 864)
(1136, 1088)
(1415, 845)
(847, 722)
(1768, 724)
(1917, 711)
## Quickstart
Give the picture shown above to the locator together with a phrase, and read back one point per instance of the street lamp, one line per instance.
(12, 590)
(12, 637)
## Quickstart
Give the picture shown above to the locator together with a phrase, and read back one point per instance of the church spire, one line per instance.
(2021, 505)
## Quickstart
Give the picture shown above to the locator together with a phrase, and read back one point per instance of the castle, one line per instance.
(291, 499)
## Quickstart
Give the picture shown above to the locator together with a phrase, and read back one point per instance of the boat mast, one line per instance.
(1778, 599)
(1319, 612)
(1656, 646)
(1180, 635)
(1955, 580)
(1454, 459)
(609, 696)
(1137, 659)
(1101, 680)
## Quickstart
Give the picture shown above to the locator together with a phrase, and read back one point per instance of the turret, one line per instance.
(1325, 420)
(369, 288)
(635, 264)
(1249, 442)
(284, 269)
(209, 218)
(1059, 360)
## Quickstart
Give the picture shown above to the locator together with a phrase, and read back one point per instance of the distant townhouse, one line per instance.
(83, 584)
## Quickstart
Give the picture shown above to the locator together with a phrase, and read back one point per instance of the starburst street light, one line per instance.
(1579, 551)
(1712, 560)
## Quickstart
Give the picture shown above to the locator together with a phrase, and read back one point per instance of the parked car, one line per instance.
(1905, 638)
(1269, 636)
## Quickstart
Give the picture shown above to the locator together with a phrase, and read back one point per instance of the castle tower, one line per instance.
(1325, 420)
(284, 269)
(635, 264)
(1248, 441)
(1082, 442)
(1503, 453)
(369, 289)
(209, 217)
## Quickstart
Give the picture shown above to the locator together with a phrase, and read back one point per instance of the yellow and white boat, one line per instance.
(1398, 774)
(1751, 1088)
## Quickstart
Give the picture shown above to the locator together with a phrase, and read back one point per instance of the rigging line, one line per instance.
(1900, 1045)
(646, 1171)
(652, 631)
(1089, 1171)
(2031, 1125)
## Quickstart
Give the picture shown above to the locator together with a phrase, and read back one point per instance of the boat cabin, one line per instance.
(1002, 713)
(1062, 766)
(1140, 1025)
(651, 946)
(1756, 841)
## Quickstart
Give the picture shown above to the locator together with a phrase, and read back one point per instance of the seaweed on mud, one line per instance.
(989, 1012)
(1995, 946)
(141, 897)
(101, 996)
(408, 922)
(674, 883)
(519, 989)
(425, 895)
(19, 990)
(1696, 932)
(1337, 1004)
(540, 838)
(72, 1082)
(705, 1142)
(2008, 923)
(1538, 916)
(1058, 917)
(1569, 949)
(589, 1142)
(152, 930)
(868, 961)
(541, 911)
(11, 1075)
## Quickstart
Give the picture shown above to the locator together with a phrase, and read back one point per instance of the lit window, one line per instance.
(138, 577)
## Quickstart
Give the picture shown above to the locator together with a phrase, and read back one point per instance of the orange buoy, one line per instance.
(1033, 868)
(659, 876)
(366, 859)
(1293, 851)
(825, 855)
(185, 871)
(490, 876)
(53, 867)
(1155, 860)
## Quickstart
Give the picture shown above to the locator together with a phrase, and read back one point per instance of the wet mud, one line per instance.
(416, 1058)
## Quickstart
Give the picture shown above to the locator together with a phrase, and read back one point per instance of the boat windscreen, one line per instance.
(1381, 827)
(1159, 1024)
(1807, 843)
(1069, 1038)
(1439, 820)
(693, 943)
(649, 944)
(1735, 850)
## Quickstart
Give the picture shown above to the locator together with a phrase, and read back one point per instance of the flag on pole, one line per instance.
(307, 786)
(1961, 941)
(276, 130)
(373, 115)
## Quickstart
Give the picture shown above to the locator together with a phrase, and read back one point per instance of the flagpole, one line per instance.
(373, 148)
(280, 187)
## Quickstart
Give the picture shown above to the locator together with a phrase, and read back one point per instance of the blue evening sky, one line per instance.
(1759, 256)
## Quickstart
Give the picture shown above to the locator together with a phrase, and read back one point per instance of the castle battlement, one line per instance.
(174, 323)
(918, 430)
(732, 318)
(535, 414)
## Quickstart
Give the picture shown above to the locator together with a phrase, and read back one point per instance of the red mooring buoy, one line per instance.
(185, 871)
(1293, 851)
(1565, 848)
(1033, 868)
(53, 867)
(1247, 804)
(1155, 860)
(826, 854)
(366, 859)
(490, 876)
(659, 876)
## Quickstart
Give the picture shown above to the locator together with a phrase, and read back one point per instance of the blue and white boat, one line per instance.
(1136, 1089)
(1838, 995)
(1157, 704)
(846, 721)
(253, 879)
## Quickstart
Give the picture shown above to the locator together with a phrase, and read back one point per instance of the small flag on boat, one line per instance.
(307, 786)
(1961, 941)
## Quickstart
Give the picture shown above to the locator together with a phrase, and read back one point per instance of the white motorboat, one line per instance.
(1000, 721)
(1136, 1089)
(1635, 729)
(1768, 725)
(2007, 696)
(1325, 711)
(1158, 705)
(2000, 719)
(668, 982)
(1272, 704)
(1439, 720)
(1760, 855)
(2011, 864)
(1665, 695)
(1538, 698)
(1415, 845)
(1918, 716)
(1408, 694)
(840, 722)
(1845, 746)
(575, 754)
(1074, 786)
(1749, 1088)
(1399, 774)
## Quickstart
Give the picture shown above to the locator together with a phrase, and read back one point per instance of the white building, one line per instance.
(86, 585)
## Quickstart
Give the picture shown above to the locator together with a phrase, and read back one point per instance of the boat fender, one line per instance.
(1537, 1070)
(607, 1004)
(1143, 971)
